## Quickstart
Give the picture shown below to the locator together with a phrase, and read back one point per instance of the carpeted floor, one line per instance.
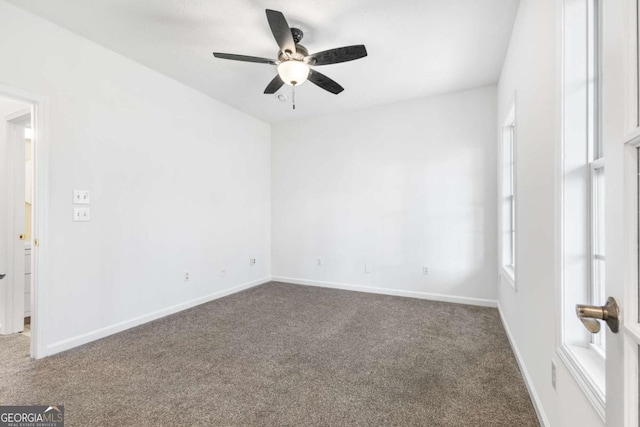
(285, 355)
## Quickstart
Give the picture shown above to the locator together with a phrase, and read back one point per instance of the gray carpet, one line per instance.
(286, 355)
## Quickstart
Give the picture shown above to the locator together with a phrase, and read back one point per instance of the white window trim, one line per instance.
(588, 369)
(509, 273)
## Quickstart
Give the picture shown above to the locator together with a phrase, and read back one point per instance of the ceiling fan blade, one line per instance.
(324, 82)
(274, 85)
(244, 58)
(281, 31)
(340, 54)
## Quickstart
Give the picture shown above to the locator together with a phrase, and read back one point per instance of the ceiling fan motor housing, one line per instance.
(297, 34)
(301, 53)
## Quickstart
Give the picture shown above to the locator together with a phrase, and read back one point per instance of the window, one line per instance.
(583, 203)
(597, 295)
(509, 196)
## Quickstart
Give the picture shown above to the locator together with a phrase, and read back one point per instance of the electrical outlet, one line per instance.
(186, 276)
(81, 214)
(367, 269)
(252, 261)
(553, 374)
(425, 270)
(319, 262)
(223, 272)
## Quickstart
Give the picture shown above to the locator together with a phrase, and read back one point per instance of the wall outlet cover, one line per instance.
(82, 197)
(81, 214)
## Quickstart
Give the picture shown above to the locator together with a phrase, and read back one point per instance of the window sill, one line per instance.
(588, 369)
(509, 273)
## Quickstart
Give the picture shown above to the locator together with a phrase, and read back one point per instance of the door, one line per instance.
(14, 281)
(614, 299)
(621, 137)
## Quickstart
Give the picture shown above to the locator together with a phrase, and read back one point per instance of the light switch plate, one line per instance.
(82, 197)
(81, 214)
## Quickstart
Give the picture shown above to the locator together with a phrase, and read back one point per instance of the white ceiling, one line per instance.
(416, 48)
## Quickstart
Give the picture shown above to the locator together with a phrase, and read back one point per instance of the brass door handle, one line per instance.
(590, 314)
(21, 237)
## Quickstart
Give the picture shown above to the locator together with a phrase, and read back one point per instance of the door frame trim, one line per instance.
(630, 325)
(14, 288)
(39, 253)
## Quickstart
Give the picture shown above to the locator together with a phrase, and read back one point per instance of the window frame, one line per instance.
(579, 157)
(508, 197)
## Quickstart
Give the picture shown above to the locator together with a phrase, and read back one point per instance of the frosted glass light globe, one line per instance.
(293, 72)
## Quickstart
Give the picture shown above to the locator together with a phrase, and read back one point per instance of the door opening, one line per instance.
(17, 141)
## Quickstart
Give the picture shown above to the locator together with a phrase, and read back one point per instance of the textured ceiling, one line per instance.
(416, 48)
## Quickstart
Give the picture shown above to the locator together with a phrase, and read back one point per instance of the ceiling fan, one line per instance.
(294, 62)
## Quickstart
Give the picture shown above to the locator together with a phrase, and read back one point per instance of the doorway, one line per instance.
(17, 158)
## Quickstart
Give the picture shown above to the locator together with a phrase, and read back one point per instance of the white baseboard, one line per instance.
(387, 291)
(127, 324)
(537, 404)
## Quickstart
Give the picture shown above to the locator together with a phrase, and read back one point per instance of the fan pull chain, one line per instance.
(293, 95)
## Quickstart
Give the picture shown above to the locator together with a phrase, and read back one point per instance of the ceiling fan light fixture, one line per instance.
(293, 72)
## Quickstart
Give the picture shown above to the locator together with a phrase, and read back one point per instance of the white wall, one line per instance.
(179, 182)
(393, 187)
(531, 72)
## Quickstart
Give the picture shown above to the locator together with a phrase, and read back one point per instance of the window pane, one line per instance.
(598, 211)
(598, 298)
(509, 231)
(593, 83)
(508, 191)
(511, 160)
(598, 288)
